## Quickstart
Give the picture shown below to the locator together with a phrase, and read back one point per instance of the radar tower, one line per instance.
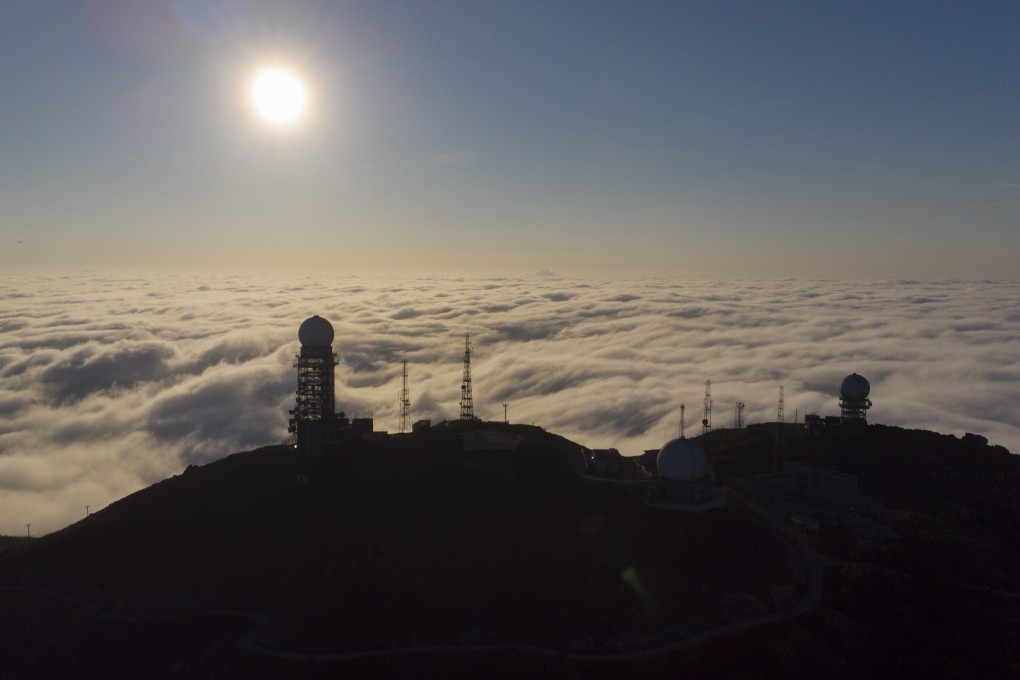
(467, 406)
(313, 419)
(853, 400)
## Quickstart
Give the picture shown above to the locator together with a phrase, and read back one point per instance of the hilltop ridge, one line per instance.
(409, 541)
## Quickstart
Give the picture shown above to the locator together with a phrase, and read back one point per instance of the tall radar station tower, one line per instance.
(467, 405)
(853, 400)
(312, 418)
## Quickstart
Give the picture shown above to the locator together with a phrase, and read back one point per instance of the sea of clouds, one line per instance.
(109, 384)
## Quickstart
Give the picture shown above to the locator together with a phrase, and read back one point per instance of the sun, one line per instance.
(278, 96)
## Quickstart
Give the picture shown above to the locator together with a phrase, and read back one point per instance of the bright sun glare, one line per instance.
(278, 96)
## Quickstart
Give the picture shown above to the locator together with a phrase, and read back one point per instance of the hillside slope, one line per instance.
(412, 541)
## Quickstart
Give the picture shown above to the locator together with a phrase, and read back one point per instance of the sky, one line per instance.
(594, 138)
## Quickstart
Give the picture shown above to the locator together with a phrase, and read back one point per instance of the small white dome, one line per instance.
(316, 332)
(854, 388)
(682, 460)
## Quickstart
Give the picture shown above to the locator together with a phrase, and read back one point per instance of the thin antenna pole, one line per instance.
(405, 401)
(706, 420)
(682, 427)
(87, 510)
(28, 529)
(467, 406)
(778, 456)
(505, 419)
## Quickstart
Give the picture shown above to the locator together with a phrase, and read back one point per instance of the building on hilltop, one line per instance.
(853, 405)
(685, 479)
(800, 481)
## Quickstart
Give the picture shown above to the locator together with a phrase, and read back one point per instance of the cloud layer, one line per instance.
(108, 384)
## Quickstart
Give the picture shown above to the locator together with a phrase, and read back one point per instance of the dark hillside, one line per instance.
(955, 502)
(412, 545)
(412, 541)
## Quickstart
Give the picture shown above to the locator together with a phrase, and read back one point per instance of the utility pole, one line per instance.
(28, 529)
(87, 510)
(682, 408)
(505, 419)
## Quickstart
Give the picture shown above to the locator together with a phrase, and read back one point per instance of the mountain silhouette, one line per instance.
(413, 548)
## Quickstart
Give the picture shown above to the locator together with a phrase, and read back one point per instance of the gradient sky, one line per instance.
(664, 138)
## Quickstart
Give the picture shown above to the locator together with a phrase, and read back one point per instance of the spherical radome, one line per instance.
(854, 387)
(316, 332)
(682, 460)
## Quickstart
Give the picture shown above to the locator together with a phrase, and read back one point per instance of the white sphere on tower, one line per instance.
(316, 332)
(854, 388)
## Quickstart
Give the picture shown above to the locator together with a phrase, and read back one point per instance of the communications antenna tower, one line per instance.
(706, 420)
(738, 416)
(467, 406)
(405, 401)
(682, 409)
(777, 463)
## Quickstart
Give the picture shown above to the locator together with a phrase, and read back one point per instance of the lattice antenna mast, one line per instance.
(738, 416)
(706, 420)
(405, 401)
(467, 406)
(682, 425)
(778, 456)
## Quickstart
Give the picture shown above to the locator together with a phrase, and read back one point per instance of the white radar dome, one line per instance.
(854, 388)
(682, 460)
(316, 332)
